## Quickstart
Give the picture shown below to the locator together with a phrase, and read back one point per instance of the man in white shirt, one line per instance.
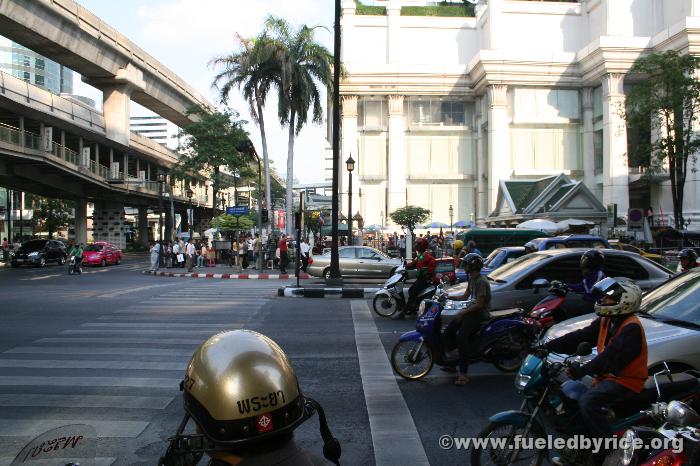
(176, 252)
(190, 253)
(304, 247)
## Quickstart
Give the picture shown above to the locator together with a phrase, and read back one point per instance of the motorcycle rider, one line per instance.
(620, 367)
(459, 252)
(244, 398)
(425, 264)
(688, 260)
(76, 249)
(461, 331)
(591, 265)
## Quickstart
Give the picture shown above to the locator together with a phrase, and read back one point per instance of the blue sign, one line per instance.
(237, 210)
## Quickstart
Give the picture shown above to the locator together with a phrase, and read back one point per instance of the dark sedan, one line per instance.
(39, 252)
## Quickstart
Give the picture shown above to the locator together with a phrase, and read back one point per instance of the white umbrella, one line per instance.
(540, 224)
(211, 232)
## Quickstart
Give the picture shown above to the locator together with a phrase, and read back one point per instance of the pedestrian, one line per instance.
(402, 246)
(168, 254)
(202, 256)
(304, 249)
(155, 256)
(471, 248)
(284, 257)
(211, 256)
(182, 244)
(234, 252)
(258, 252)
(191, 253)
(243, 251)
(5, 250)
(251, 249)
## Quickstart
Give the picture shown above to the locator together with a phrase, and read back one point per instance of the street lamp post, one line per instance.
(189, 214)
(452, 212)
(335, 263)
(161, 179)
(350, 165)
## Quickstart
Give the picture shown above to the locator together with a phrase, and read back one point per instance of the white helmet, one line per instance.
(626, 294)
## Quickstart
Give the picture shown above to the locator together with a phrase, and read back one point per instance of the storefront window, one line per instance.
(439, 112)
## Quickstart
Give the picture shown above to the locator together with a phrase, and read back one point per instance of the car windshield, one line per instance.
(94, 247)
(676, 301)
(34, 245)
(505, 273)
(493, 258)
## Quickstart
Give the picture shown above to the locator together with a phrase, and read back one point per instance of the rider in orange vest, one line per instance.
(620, 367)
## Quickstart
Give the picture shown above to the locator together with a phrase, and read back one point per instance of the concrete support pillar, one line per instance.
(97, 154)
(615, 171)
(21, 131)
(111, 156)
(481, 164)
(349, 147)
(80, 221)
(63, 144)
(126, 167)
(499, 141)
(588, 158)
(396, 165)
(109, 223)
(143, 226)
(117, 100)
(394, 43)
(148, 172)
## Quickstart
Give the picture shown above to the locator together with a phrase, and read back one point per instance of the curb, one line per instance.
(349, 293)
(227, 276)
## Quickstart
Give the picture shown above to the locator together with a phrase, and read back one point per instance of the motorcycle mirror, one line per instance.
(584, 349)
(540, 283)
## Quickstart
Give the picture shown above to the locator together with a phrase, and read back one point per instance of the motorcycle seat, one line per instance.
(681, 385)
(504, 312)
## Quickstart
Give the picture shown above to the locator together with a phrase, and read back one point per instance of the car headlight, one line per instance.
(521, 381)
(630, 440)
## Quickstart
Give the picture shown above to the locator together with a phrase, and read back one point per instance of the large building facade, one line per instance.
(437, 111)
(33, 68)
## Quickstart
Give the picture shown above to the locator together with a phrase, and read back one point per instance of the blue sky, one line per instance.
(185, 34)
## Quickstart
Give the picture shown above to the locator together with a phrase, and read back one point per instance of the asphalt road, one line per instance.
(109, 347)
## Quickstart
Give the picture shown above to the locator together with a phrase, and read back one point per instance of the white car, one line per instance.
(670, 315)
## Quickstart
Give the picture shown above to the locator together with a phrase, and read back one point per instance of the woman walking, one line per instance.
(155, 256)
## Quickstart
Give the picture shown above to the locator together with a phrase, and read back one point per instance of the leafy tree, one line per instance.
(312, 222)
(304, 65)
(51, 215)
(227, 222)
(666, 103)
(211, 144)
(409, 217)
(253, 69)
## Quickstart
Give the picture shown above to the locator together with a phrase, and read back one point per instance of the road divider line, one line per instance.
(394, 435)
(96, 351)
(92, 364)
(104, 428)
(84, 401)
(50, 381)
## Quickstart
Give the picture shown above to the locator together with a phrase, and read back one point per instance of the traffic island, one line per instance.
(318, 292)
(228, 276)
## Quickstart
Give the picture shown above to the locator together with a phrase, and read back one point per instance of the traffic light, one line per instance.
(265, 218)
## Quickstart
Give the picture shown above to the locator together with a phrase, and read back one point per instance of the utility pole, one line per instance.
(335, 263)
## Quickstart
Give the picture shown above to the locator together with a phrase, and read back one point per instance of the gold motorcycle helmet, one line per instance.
(241, 390)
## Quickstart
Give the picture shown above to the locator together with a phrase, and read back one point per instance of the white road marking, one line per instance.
(105, 350)
(48, 381)
(85, 401)
(104, 428)
(114, 294)
(93, 364)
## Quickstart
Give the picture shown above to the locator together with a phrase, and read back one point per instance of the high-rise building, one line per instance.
(19, 61)
(158, 129)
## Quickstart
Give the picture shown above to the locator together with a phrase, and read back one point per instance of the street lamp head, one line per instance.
(350, 163)
(451, 209)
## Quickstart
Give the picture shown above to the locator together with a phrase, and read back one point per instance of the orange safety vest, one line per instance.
(636, 373)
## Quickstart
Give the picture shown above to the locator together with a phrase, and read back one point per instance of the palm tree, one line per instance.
(253, 69)
(304, 65)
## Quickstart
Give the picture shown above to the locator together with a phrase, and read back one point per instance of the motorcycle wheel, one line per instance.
(412, 360)
(513, 364)
(500, 454)
(385, 306)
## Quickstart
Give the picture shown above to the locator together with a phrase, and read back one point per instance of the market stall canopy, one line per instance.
(540, 224)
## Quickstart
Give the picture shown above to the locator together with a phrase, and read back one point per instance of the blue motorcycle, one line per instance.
(502, 341)
(551, 401)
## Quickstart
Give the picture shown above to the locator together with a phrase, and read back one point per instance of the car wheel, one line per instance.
(103, 263)
(327, 273)
(61, 260)
(42, 262)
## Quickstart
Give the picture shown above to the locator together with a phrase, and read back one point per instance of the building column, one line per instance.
(348, 146)
(396, 165)
(143, 225)
(117, 100)
(588, 158)
(394, 43)
(80, 219)
(499, 141)
(21, 132)
(347, 25)
(481, 164)
(615, 171)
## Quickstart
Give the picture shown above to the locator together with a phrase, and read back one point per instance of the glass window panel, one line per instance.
(39, 63)
(598, 102)
(39, 80)
(27, 77)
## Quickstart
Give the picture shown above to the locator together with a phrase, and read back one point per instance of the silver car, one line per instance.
(670, 315)
(356, 261)
(512, 284)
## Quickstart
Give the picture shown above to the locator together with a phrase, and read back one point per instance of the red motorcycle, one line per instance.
(548, 311)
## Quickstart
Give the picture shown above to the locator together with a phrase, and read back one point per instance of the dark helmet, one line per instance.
(530, 247)
(473, 262)
(592, 259)
(421, 244)
(689, 255)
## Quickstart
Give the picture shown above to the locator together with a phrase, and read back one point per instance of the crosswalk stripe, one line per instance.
(34, 427)
(99, 461)
(158, 318)
(155, 333)
(110, 350)
(92, 364)
(156, 325)
(170, 341)
(85, 401)
(134, 382)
